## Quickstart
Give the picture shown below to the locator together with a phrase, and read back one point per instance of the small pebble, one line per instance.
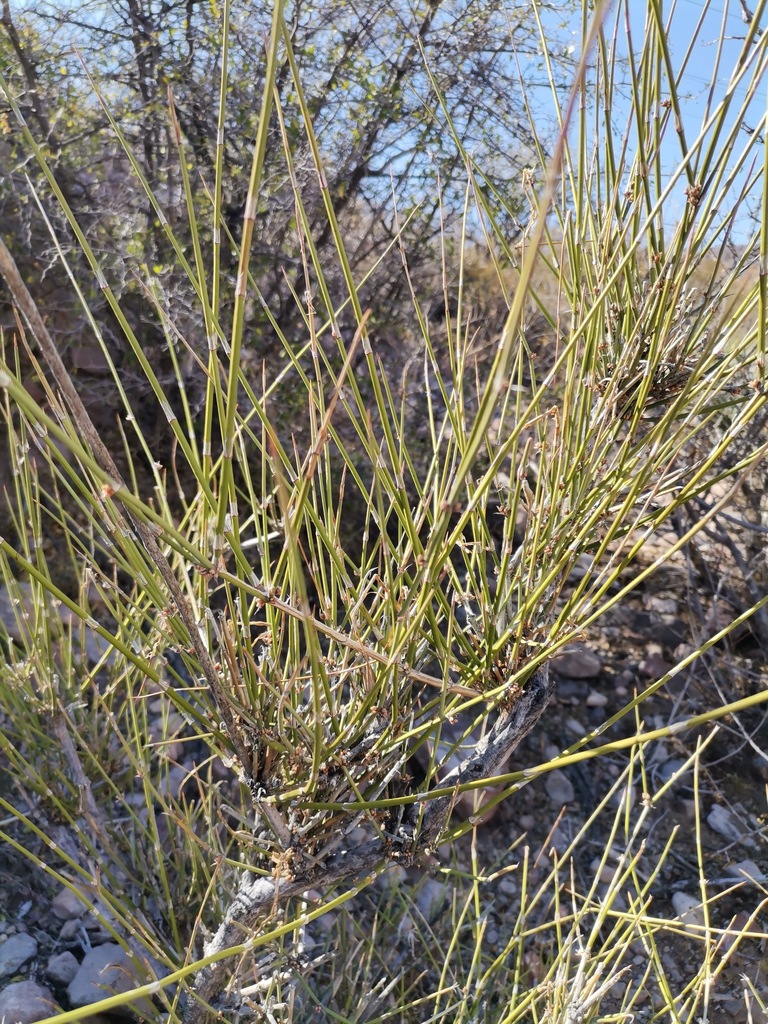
(683, 651)
(688, 910)
(96, 647)
(15, 952)
(738, 924)
(474, 805)
(624, 798)
(508, 886)
(559, 787)
(669, 769)
(157, 705)
(71, 930)
(24, 1002)
(577, 663)
(105, 970)
(580, 568)
(605, 874)
(688, 808)
(746, 868)
(326, 924)
(662, 605)
(659, 754)
(654, 666)
(406, 928)
(558, 840)
(173, 780)
(67, 906)
(431, 897)
(732, 1007)
(596, 700)
(61, 969)
(575, 727)
(392, 878)
(570, 689)
(722, 821)
(101, 916)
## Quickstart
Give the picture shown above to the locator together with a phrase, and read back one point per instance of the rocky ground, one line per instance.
(55, 954)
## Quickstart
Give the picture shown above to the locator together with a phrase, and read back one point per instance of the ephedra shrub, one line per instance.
(211, 740)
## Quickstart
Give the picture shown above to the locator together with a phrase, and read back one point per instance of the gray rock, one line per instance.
(577, 663)
(67, 906)
(508, 886)
(726, 824)
(89, 358)
(738, 924)
(575, 727)
(108, 970)
(746, 869)
(689, 911)
(12, 609)
(583, 565)
(559, 788)
(96, 647)
(61, 969)
(654, 665)
(558, 840)
(624, 798)
(15, 952)
(661, 605)
(24, 1002)
(72, 932)
(431, 897)
(393, 877)
(670, 768)
(572, 690)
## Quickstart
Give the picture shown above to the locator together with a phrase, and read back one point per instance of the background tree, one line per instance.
(387, 151)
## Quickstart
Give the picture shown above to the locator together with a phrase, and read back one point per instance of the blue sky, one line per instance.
(720, 18)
